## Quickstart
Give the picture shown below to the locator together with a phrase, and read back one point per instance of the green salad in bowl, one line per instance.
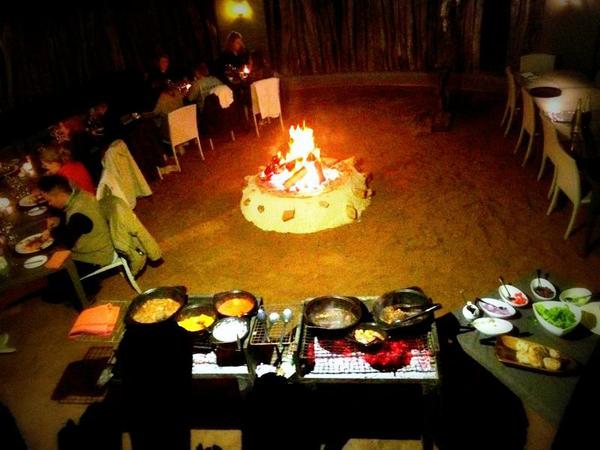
(557, 317)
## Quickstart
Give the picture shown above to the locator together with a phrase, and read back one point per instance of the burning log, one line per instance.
(320, 174)
(297, 176)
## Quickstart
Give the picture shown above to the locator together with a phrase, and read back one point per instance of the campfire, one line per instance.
(301, 169)
(301, 192)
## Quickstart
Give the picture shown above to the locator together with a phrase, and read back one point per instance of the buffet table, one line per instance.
(546, 394)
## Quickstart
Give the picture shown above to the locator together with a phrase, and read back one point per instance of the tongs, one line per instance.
(433, 307)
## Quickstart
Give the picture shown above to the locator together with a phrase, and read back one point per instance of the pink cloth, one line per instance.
(99, 320)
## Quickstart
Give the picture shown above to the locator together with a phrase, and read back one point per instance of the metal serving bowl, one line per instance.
(177, 293)
(409, 300)
(222, 297)
(197, 309)
(333, 313)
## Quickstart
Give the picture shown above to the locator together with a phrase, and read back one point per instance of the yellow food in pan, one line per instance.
(196, 323)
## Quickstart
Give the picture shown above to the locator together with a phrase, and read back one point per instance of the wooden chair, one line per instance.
(537, 63)
(567, 180)
(527, 125)
(551, 149)
(511, 100)
(183, 127)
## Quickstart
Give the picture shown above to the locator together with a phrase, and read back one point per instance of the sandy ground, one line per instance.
(451, 211)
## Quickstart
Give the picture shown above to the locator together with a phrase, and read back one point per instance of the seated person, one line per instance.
(80, 225)
(103, 124)
(160, 76)
(202, 85)
(72, 134)
(56, 160)
(233, 58)
(260, 68)
(170, 100)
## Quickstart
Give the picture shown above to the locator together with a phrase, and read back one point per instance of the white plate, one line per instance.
(590, 317)
(30, 200)
(492, 326)
(35, 261)
(38, 210)
(22, 249)
(491, 312)
(512, 291)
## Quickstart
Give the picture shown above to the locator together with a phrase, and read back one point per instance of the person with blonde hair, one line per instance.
(56, 160)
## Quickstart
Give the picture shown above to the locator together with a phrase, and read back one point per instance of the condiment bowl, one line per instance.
(576, 296)
(542, 282)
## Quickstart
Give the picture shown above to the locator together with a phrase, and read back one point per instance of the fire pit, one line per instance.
(300, 192)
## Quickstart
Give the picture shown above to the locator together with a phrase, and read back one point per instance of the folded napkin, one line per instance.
(58, 258)
(99, 321)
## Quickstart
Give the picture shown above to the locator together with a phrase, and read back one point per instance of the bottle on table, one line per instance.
(577, 144)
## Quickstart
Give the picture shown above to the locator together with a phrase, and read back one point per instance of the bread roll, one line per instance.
(522, 346)
(523, 357)
(554, 354)
(535, 355)
(551, 363)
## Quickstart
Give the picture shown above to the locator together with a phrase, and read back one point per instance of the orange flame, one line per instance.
(300, 169)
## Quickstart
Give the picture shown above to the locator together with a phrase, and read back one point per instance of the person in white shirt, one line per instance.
(202, 85)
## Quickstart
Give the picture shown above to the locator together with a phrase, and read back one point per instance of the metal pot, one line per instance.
(333, 313)
(192, 310)
(177, 293)
(222, 297)
(409, 300)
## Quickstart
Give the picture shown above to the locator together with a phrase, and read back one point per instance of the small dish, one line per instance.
(513, 296)
(471, 312)
(492, 326)
(496, 308)
(31, 200)
(229, 330)
(33, 244)
(551, 326)
(543, 284)
(35, 261)
(37, 211)
(575, 296)
(362, 332)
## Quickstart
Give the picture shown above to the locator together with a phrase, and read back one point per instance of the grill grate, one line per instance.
(260, 335)
(336, 357)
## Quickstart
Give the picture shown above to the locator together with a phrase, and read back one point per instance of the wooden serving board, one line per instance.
(506, 354)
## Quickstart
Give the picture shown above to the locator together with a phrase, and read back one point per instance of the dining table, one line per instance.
(571, 87)
(547, 394)
(19, 224)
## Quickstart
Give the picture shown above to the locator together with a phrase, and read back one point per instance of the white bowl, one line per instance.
(471, 315)
(512, 291)
(492, 326)
(537, 282)
(557, 331)
(502, 309)
(582, 295)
